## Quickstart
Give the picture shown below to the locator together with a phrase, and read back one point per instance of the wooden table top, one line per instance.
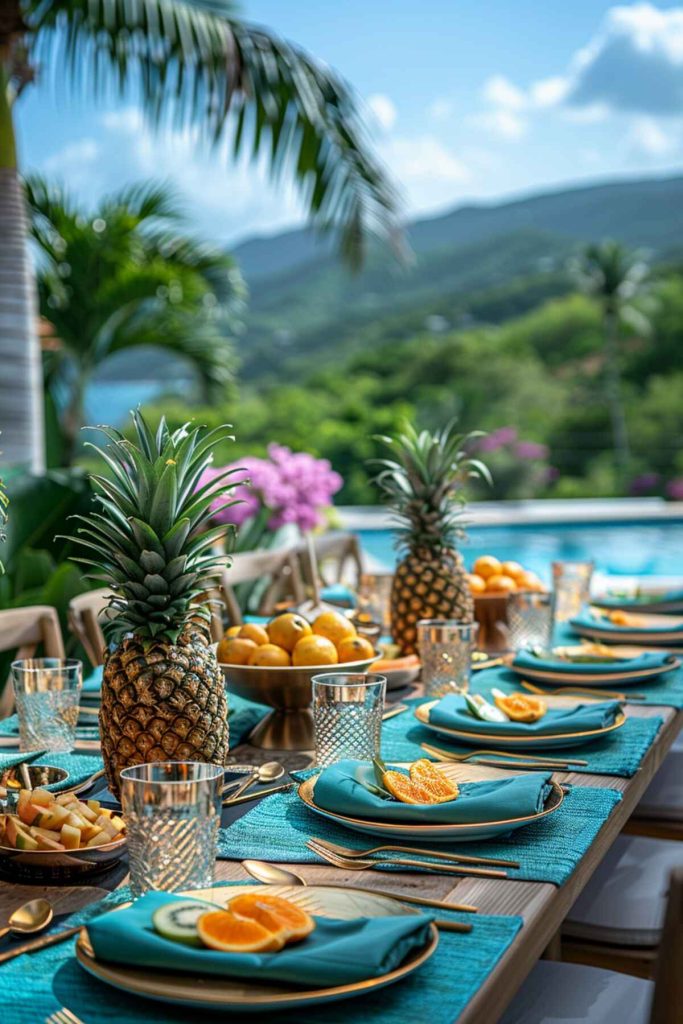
(542, 906)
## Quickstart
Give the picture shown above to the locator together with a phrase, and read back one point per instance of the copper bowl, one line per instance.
(490, 611)
(54, 866)
(288, 691)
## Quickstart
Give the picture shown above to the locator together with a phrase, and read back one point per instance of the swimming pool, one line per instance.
(638, 547)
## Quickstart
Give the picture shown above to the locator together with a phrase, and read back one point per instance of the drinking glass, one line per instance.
(374, 598)
(172, 811)
(530, 620)
(571, 583)
(47, 693)
(347, 716)
(445, 647)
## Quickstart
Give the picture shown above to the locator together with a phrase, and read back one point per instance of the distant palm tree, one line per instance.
(122, 277)
(616, 277)
(189, 63)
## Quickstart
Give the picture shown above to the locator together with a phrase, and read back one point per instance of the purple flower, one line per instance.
(531, 450)
(644, 483)
(674, 489)
(497, 439)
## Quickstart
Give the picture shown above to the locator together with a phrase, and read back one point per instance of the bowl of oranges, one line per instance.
(491, 581)
(274, 664)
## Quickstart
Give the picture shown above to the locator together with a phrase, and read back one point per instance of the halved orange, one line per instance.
(274, 911)
(404, 789)
(427, 775)
(220, 929)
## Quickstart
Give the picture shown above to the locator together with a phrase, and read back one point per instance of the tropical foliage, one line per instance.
(127, 275)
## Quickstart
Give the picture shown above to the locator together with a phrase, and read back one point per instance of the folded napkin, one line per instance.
(591, 621)
(452, 713)
(644, 662)
(336, 953)
(351, 788)
(642, 599)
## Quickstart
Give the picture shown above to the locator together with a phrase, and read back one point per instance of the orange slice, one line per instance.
(427, 775)
(219, 929)
(274, 912)
(403, 788)
(519, 707)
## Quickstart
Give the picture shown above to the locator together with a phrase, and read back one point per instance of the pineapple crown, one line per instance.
(423, 484)
(148, 541)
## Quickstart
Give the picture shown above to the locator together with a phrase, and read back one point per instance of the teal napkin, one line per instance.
(615, 601)
(591, 620)
(336, 953)
(350, 787)
(650, 659)
(452, 713)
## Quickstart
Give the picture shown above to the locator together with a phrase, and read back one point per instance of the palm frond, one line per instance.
(193, 63)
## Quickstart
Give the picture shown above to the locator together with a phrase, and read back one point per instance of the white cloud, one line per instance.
(426, 168)
(647, 136)
(502, 123)
(383, 110)
(501, 92)
(547, 92)
(440, 109)
(73, 159)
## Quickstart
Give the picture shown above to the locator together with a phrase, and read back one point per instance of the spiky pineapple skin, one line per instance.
(162, 702)
(428, 584)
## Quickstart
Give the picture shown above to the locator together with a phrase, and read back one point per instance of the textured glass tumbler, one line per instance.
(530, 620)
(571, 585)
(374, 598)
(47, 693)
(446, 654)
(347, 716)
(172, 811)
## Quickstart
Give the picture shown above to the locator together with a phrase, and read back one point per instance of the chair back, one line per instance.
(667, 1003)
(85, 612)
(25, 630)
(337, 559)
(279, 570)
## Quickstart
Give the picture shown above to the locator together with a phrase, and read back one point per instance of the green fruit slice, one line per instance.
(178, 921)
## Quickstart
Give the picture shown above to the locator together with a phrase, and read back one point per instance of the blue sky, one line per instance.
(467, 99)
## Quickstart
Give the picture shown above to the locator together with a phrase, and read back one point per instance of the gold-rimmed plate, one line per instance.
(250, 996)
(507, 742)
(644, 628)
(587, 678)
(439, 833)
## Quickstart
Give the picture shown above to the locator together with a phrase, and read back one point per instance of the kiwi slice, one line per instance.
(177, 921)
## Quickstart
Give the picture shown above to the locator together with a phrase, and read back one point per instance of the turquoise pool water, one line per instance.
(625, 548)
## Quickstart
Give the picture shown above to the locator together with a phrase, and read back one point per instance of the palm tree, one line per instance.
(121, 277)
(194, 63)
(616, 277)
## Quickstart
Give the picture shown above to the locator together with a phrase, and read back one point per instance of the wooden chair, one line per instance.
(24, 630)
(337, 557)
(84, 622)
(279, 570)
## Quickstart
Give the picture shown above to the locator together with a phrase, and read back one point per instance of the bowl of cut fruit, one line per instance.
(56, 837)
(491, 581)
(274, 664)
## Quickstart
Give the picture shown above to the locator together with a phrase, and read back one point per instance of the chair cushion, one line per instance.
(663, 798)
(557, 993)
(625, 900)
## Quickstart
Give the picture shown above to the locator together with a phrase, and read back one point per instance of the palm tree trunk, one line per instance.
(21, 388)
(622, 452)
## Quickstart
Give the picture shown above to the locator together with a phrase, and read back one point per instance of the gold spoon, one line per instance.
(30, 918)
(268, 772)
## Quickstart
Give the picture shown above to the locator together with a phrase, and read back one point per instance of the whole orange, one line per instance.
(485, 566)
(355, 648)
(233, 631)
(530, 581)
(270, 655)
(335, 626)
(235, 651)
(315, 650)
(500, 584)
(512, 569)
(286, 630)
(477, 584)
(252, 631)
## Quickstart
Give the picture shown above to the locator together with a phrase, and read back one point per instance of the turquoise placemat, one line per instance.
(620, 753)
(547, 851)
(33, 986)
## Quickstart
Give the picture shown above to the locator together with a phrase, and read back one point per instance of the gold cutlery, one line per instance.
(42, 943)
(270, 771)
(272, 874)
(391, 712)
(28, 919)
(63, 1016)
(506, 760)
(567, 691)
(231, 801)
(355, 864)
(456, 858)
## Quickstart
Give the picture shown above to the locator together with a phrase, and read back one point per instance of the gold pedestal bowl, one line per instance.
(289, 726)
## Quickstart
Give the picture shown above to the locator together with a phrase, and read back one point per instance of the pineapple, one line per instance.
(163, 693)
(422, 483)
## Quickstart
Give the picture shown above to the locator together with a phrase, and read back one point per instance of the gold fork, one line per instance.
(63, 1016)
(516, 760)
(344, 851)
(356, 864)
(567, 691)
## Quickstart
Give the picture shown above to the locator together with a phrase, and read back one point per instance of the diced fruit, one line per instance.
(107, 825)
(118, 822)
(44, 843)
(25, 842)
(94, 805)
(178, 921)
(42, 798)
(53, 817)
(14, 829)
(75, 819)
(47, 832)
(27, 811)
(71, 837)
(99, 839)
(87, 812)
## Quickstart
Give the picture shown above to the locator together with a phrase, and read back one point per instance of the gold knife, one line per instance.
(42, 943)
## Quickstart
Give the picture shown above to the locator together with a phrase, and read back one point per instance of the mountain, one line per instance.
(477, 263)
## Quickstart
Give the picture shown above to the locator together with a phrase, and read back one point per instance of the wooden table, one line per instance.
(542, 906)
